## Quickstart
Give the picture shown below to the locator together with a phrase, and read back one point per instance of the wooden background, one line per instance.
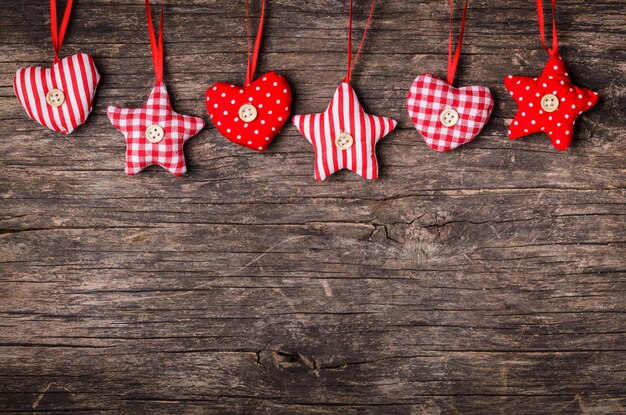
(488, 280)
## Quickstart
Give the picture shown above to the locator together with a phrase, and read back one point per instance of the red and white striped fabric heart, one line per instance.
(59, 97)
(445, 116)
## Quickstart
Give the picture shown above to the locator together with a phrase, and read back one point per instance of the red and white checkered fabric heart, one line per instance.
(430, 97)
(73, 80)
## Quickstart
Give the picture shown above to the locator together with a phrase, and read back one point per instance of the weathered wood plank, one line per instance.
(487, 280)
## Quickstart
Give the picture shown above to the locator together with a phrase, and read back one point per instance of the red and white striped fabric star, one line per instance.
(344, 136)
(155, 134)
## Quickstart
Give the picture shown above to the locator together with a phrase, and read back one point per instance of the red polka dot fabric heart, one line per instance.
(549, 103)
(445, 116)
(250, 115)
(59, 98)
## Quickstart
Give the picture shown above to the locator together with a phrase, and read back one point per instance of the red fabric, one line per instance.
(254, 55)
(429, 96)
(345, 121)
(352, 61)
(270, 94)
(156, 47)
(453, 60)
(59, 34)
(531, 118)
(344, 114)
(133, 122)
(76, 76)
(542, 34)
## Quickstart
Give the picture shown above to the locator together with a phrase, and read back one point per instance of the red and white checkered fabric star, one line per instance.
(549, 103)
(166, 149)
(344, 136)
(430, 97)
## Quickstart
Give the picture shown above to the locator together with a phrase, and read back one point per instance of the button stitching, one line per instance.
(344, 141)
(51, 99)
(160, 133)
(449, 122)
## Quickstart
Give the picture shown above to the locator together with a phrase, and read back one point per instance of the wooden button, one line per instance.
(248, 112)
(549, 103)
(344, 141)
(155, 133)
(449, 117)
(55, 97)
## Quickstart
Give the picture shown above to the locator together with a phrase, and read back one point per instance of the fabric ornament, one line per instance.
(549, 103)
(253, 114)
(155, 133)
(345, 136)
(445, 116)
(60, 97)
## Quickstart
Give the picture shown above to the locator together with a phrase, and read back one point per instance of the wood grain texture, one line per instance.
(490, 280)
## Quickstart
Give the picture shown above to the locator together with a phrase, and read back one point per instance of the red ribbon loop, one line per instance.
(352, 61)
(453, 62)
(555, 43)
(58, 35)
(156, 47)
(254, 56)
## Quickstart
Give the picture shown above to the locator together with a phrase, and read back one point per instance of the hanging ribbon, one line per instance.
(254, 55)
(453, 61)
(156, 47)
(352, 61)
(58, 35)
(555, 43)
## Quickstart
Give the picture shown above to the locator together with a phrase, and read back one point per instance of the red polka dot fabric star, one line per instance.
(549, 103)
(154, 133)
(344, 136)
(253, 114)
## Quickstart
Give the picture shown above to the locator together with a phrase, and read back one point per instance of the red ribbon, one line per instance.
(453, 61)
(352, 61)
(57, 36)
(156, 48)
(254, 56)
(555, 43)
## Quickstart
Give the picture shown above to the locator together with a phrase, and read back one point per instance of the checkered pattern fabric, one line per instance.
(133, 123)
(430, 96)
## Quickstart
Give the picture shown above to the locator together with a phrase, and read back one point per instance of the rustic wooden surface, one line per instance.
(489, 280)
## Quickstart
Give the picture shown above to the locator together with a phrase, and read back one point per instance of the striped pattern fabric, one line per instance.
(429, 96)
(76, 76)
(133, 123)
(344, 115)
